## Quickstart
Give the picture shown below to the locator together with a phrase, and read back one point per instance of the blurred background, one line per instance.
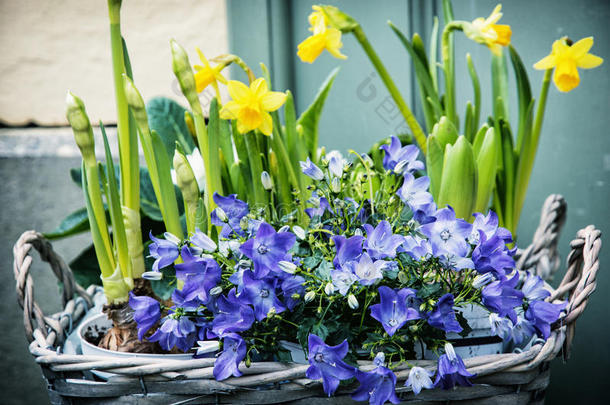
(49, 47)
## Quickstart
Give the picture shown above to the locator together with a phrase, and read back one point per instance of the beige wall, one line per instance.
(49, 46)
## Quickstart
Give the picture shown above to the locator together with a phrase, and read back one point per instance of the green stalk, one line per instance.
(128, 141)
(202, 139)
(410, 119)
(187, 183)
(530, 148)
(449, 69)
(256, 168)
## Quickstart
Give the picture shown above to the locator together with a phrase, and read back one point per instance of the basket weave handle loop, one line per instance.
(33, 317)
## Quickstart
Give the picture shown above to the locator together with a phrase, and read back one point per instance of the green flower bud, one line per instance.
(187, 183)
(136, 103)
(338, 19)
(79, 121)
(184, 73)
(335, 185)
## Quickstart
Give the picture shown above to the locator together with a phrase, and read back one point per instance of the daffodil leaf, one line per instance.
(476, 88)
(310, 118)
(524, 91)
(166, 117)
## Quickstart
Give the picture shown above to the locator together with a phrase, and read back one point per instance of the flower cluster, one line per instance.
(379, 269)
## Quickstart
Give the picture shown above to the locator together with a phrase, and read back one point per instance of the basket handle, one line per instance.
(541, 257)
(33, 317)
(580, 279)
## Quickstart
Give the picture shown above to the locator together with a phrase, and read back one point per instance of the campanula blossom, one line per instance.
(234, 210)
(522, 331)
(203, 241)
(335, 166)
(566, 58)
(533, 288)
(343, 279)
(231, 315)
(443, 315)
(250, 106)
(164, 251)
(147, 312)
(488, 224)
(414, 192)
(310, 169)
(451, 370)
(326, 362)
(200, 275)
(233, 352)
(348, 249)
(393, 311)
(175, 332)
(380, 242)
(500, 326)
(448, 234)
(378, 385)
(542, 314)
(366, 270)
(417, 247)
(261, 295)
(267, 249)
(323, 37)
(395, 153)
(485, 31)
(321, 207)
(502, 297)
(419, 378)
(291, 287)
(491, 255)
(207, 75)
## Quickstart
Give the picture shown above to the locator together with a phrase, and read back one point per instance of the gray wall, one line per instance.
(574, 153)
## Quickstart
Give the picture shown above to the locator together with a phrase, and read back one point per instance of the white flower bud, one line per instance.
(335, 185)
(367, 160)
(352, 301)
(285, 228)
(299, 232)
(152, 275)
(482, 280)
(309, 296)
(287, 267)
(329, 288)
(358, 232)
(401, 166)
(170, 237)
(216, 291)
(266, 180)
(243, 223)
(221, 214)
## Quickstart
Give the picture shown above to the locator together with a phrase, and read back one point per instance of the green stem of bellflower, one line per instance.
(406, 112)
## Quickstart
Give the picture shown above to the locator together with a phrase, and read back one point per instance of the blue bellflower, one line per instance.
(311, 170)
(542, 314)
(291, 286)
(326, 362)
(260, 293)
(367, 271)
(234, 209)
(199, 274)
(447, 235)
(533, 288)
(348, 249)
(164, 251)
(501, 297)
(416, 247)
(267, 249)
(231, 315)
(395, 153)
(443, 315)
(377, 386)
(233, 352)
(491, 255)
(522, 331)
(489, 225)
(380, 242)
(393, 311)
(147, 312)
(419, 378)
(414, 192)
(451, 370)
(203, 241)
(175, 332)
(343, 279)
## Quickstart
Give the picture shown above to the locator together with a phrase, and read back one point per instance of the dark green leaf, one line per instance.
(74, 223)
(85, 268)
(166, 117)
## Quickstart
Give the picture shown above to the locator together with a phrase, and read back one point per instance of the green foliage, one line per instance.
(166, 117)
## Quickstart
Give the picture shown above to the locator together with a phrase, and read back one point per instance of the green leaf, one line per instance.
(524, 91)
(310, 118)
(85, 268)
(76, 222)
(166, 117)
(499, 78)
(477, 97)
(434, 164)
(486, 167)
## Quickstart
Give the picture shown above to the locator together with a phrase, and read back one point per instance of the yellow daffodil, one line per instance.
(323, 37)
(250, 106)
(566, 59)
(206, 75)
(485, 31)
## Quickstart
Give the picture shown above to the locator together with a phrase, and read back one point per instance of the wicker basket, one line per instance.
(510, 378)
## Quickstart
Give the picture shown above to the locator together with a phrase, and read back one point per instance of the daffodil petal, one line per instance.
(230, 111)
(333, 43)
(273, 100)
(580, 48)
(311, 48)
(259, 87)
(545, 63)
(266, 126)
(237, 90)
(589, 61)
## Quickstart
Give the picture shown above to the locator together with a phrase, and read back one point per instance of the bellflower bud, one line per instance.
(352, 301)
(299, 232)
(221, 214)
(216, 291)
(266, 180)
(329, 288)
(152, 275)
(287, 267)
(309, 296)
(335, 185)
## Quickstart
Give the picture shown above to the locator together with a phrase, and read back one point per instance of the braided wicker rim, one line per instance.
(46, 334)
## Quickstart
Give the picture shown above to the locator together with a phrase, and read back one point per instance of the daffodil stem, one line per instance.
(449, 70)
(527, 155)
(256, 168)
(406, 112)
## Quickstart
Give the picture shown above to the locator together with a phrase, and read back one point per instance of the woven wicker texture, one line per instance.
(511, 378)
